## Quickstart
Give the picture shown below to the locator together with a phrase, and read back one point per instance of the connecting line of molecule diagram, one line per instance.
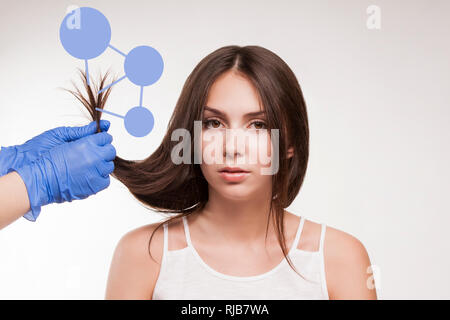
(85, 33)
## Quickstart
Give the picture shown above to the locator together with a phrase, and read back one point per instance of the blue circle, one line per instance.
(85, 33)
(143, 65)
(139, 121)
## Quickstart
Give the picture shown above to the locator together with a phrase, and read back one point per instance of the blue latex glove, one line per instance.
(69, 171)
(20, 155)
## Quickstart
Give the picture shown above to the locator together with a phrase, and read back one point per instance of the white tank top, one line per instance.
(184, 275)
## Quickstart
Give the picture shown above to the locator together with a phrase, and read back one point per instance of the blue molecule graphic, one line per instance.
(143, 65)
(85, 33)
(139, 121)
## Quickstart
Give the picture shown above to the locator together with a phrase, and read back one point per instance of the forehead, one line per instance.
(233, 95)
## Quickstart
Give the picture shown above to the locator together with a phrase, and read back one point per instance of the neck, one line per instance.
(237, 221)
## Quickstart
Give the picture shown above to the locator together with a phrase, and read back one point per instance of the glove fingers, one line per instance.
(101, 138)
(100, 183)
(75, 133)
(105, 168)
(104, 183)
(108, 152)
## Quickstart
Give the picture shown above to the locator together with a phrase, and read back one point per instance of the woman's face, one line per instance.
(233, 103)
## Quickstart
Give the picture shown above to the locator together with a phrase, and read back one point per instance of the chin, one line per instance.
(235, 191)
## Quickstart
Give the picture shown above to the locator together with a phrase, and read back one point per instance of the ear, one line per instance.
(290, 152)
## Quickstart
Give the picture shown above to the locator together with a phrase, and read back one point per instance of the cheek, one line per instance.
(268, 144)
(209, 138)
(210, 141)
(212, 146)
(205, 170)
(262, 148)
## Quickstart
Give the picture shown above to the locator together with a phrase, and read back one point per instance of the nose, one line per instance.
(234, 144)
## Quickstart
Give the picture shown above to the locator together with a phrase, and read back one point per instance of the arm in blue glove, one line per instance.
(19, 155)
(70, 171)
(67, 170)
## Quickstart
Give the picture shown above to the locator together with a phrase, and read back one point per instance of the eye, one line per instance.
(214, 122)
(259, 125)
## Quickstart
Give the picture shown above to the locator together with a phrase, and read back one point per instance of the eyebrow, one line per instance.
(250, 114)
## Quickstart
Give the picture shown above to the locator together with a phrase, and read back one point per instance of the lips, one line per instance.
(234, 174)
(233, 170)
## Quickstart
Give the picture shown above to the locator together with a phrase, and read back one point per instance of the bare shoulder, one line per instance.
(346, 266)
(341, 243)
(136, 242)
(133, 272)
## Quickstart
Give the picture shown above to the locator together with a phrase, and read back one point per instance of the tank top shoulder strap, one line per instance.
(166, 237)
(322, 262)
(186, 232)
(299, 232)
(322, 237)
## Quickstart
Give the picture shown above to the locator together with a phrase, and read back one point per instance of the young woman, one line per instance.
(229, 235)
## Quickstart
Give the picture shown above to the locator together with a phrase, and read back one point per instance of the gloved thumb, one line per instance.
(75, 133)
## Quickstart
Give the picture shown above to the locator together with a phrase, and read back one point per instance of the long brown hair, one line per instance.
(181, 189)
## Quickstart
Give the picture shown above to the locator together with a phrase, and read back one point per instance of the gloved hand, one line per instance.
(20, 155)
(69, 171)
